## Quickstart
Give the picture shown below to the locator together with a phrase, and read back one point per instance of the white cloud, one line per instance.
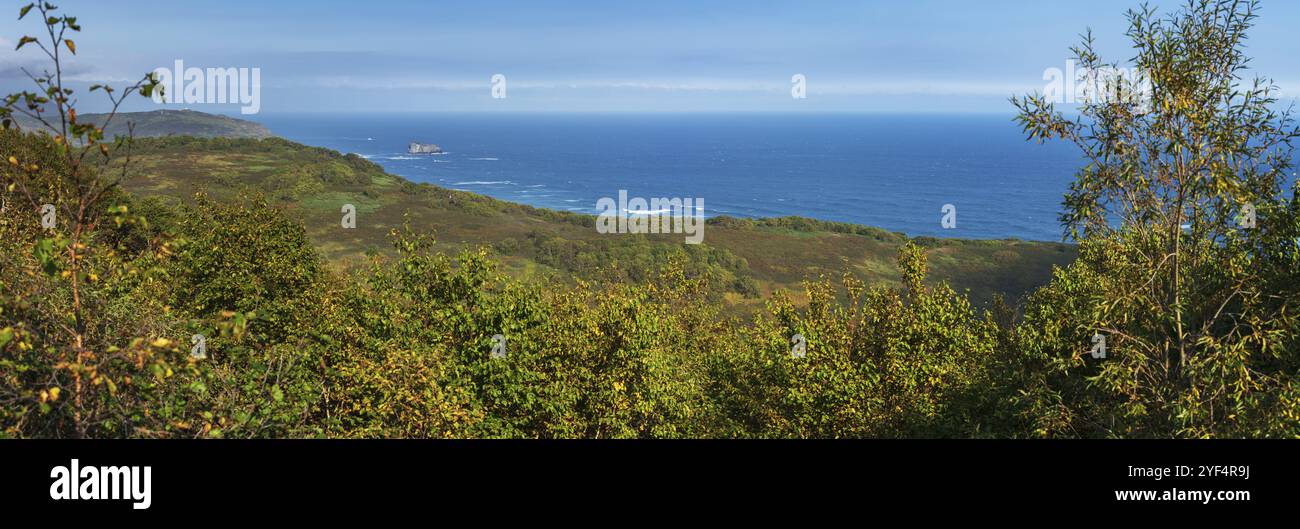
(829, 87)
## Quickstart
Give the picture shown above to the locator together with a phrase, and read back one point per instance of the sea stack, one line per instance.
(423, 148)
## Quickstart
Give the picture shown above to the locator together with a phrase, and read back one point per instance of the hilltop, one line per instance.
(156, 123)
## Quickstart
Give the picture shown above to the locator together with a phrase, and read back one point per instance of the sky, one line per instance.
(610, 56)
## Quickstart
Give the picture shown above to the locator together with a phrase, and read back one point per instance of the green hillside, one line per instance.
(749, 258)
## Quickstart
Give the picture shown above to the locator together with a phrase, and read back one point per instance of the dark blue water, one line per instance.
(891, 171)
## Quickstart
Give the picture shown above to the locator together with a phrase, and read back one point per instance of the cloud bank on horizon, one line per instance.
(671, 55)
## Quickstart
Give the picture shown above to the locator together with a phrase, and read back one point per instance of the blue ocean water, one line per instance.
(885, 170)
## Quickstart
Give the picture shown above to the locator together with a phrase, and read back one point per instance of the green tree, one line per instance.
(66, 343)
(881, 362)
(1188, 256)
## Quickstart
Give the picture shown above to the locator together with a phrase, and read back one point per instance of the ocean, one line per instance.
(893, 171)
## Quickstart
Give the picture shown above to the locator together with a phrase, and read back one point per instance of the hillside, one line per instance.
(747, 258)
(156, 123)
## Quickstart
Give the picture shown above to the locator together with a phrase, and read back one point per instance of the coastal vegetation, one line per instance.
(746, 259)
(190, 287)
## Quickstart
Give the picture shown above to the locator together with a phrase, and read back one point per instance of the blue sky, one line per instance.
(666, 55)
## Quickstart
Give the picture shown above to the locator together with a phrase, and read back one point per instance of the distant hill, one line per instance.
(157, 123)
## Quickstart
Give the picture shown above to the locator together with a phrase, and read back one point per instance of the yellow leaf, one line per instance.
(72, 46)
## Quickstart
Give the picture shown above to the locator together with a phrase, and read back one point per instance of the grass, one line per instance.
(747, 257)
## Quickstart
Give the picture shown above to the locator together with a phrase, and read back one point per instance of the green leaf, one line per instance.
(45, 253)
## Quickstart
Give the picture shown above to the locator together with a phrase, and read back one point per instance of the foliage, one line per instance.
(102, 314)
(889, 362)
(747, 258)
(1188, 262)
